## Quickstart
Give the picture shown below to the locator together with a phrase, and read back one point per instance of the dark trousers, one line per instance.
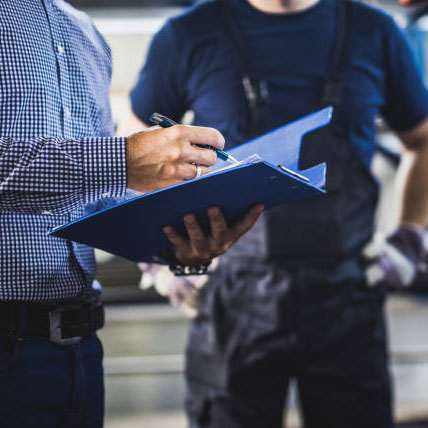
(51, 386)
(255, 332)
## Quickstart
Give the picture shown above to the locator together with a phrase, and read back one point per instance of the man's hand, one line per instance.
(199, 248)
(398, 260)
(158, 158)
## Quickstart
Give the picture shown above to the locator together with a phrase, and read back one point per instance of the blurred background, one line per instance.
(144, 337)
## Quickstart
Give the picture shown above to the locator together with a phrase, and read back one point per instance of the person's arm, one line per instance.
(161, 84)
(57, 175)
(415, 198)
(404, 252)
(406, 111)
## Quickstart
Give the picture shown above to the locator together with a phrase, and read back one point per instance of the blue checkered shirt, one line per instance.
(56, 149)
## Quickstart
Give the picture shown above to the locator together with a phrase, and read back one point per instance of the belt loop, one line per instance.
(91, 318)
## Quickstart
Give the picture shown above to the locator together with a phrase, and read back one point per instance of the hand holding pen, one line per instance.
(162, 157)
(165, 122)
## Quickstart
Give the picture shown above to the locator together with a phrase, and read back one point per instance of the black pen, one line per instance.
(165, 122)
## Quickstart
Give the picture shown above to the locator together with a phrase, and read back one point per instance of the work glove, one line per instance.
(397, 260)
(180, 290)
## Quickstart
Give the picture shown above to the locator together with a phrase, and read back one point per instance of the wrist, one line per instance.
(130, 155)
(181, 269)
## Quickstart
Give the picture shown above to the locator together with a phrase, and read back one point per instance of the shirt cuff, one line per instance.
(104, 168)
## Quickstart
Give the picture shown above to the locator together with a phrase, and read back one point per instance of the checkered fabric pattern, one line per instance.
(56, 153)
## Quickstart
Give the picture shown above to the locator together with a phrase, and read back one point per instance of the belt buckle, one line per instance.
(55, 332)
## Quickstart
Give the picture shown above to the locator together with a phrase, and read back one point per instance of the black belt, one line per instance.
(64, 325)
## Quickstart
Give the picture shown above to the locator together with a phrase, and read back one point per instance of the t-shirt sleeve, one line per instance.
(407, 98)
(159, 87)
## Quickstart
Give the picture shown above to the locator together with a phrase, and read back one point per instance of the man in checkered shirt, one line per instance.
(57, 155)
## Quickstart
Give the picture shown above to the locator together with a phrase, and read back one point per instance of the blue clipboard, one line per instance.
(133, 229)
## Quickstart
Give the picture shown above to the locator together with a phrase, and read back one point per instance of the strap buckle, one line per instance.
(55, 326)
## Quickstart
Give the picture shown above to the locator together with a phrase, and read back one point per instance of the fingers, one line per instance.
(198, 155)
(195, 135)
(188, 171)
(219, 230)
(196, 235)
(200, 248)
(202, 135)
(163, 157)
(248, 221)
(177, 173)
(222, 237)
(175, 238)
(193, 251)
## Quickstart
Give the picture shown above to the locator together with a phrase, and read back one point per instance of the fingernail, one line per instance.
(221, 140)
(167, 229)
(214, 211)
(189, 218)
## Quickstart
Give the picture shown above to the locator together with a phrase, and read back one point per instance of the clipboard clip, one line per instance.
(296, 174)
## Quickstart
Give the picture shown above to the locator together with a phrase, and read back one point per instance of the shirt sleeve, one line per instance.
(59, 175)
(160, 86)
(407, 98)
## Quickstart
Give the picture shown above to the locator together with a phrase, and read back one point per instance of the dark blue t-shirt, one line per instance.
(190, 66)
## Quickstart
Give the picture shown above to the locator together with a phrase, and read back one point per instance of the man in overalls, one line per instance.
(293, 299)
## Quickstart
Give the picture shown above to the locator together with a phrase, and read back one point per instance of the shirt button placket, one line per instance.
(67, 113)
(61, 53)
(60, 49)
(65, 109)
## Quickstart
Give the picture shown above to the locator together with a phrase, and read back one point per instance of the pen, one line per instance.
(165, 122)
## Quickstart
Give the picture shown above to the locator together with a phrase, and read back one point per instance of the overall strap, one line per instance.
(333, 88)
(255, 88)
(242, 57)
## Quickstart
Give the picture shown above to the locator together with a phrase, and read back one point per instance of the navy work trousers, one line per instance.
(51, 386)
(260, 326)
